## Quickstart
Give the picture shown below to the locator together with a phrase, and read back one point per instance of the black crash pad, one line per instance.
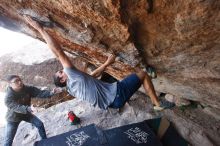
(138, 134)
(86, 136)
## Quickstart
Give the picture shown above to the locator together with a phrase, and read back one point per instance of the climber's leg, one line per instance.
(125, 89)
(148, 86)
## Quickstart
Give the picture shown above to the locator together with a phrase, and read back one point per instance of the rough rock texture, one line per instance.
(137, 110)
(179, 38)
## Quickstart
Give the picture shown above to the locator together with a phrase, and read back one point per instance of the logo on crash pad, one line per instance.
(77, 139)
(137, 135)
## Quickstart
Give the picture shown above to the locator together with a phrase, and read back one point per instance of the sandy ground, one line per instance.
(22, 48)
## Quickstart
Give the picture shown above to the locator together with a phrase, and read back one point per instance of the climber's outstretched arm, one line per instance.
(97, 72)
(52, 44)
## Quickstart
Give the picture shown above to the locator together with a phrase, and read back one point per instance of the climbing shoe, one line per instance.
(164, 104)
(151, 72)
(73, 118)
(158, 108)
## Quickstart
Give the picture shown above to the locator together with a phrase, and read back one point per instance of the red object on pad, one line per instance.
(73, 118)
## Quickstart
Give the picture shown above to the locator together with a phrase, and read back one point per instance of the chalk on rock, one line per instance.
(170, 98)
(43, 20)
(182, 102)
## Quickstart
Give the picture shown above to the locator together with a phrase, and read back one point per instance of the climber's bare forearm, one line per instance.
(52, 44)
(56, 49)
(97, 72)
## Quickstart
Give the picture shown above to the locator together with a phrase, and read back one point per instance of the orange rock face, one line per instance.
(180, 38)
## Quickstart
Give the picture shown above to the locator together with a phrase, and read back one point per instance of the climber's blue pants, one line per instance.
(125, 89)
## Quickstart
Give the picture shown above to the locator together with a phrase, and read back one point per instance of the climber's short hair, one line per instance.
(57, 82)
(10, 77)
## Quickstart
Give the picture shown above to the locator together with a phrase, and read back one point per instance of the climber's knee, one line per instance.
(141, 75)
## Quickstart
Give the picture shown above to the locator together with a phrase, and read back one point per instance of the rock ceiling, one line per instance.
(179, 38)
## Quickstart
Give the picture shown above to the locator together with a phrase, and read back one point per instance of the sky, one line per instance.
(22, 48)
(12, 41)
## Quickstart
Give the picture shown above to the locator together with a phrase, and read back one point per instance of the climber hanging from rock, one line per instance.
(96, 92)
